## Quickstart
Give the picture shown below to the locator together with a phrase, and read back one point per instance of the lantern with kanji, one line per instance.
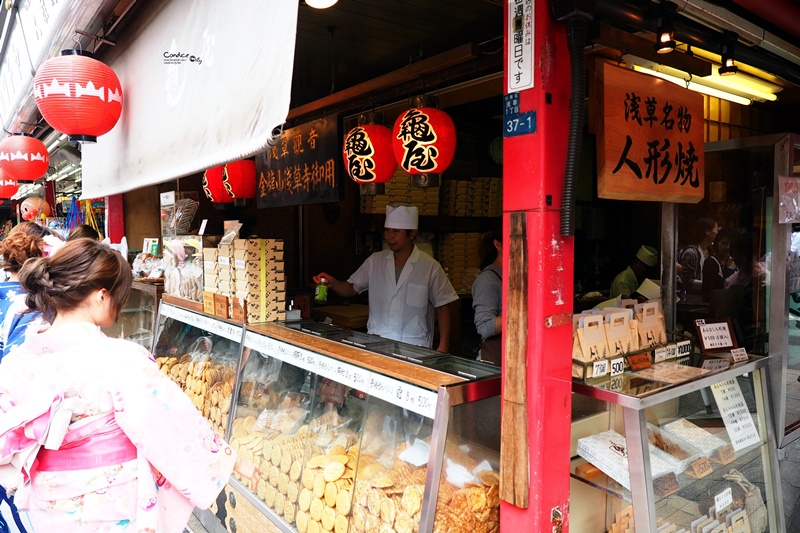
(239, 178)
(78, 95)
(214, 187)
(23, 157)
(424, 140)
(368, 157)
(8, 186)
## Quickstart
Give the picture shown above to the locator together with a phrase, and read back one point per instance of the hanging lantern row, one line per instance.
(78, 95)
(225, 183)
(23, 157)
(8, 186)
(423, 141)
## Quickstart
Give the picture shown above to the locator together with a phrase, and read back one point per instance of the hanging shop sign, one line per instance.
(649, 138)
(303, 166)
(519, 53)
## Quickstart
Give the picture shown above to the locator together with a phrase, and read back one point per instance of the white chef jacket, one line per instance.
(403, 310)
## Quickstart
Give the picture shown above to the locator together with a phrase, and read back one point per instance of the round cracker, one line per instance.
(343, 502)
(304, 499)
(328, 518)
(319, 487)
(333, 471)
(315, 510)
(340, 524)
(295, 470)
(330, 494)
(337, 449)
(307, 478)
(313, 527)
(319, 461)
(301, 521)
(344, 459)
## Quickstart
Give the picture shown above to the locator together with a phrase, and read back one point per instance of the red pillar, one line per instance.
(533, 170)
(115, 218)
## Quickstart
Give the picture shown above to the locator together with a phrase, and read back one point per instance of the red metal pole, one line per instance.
(533, 170)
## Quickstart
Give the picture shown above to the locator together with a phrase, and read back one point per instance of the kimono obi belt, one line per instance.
(97, 444)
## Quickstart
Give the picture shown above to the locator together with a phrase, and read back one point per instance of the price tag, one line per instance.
(640, 361)
(396, 392)
(701, 467)
(600, 368)
(725, 455)
(259, 343)
(700, 322)
(616, 384)
(660, 354)
(715, 365)
(672, 351)
(224, 260)
(684, 349)
(167, 198)
(239, 264)
(735, 414)
(723, 500)
(617, 366)
(739, 355)
(208, 302)
(210, 266)
(202, 229)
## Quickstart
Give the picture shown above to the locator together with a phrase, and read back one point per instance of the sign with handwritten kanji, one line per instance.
(303, 166)
(650, 138)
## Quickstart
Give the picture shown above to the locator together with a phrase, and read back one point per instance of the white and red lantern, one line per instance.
(214, 187)
(8, 186)
(424, 140)
(23, 157)
(368, 154)
(239, 178)
(78, 95)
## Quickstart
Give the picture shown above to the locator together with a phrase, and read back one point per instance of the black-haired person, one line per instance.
(694, 256)
(487, 296)
(126, 449)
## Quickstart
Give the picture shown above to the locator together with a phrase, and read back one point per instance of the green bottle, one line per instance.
(321, 294)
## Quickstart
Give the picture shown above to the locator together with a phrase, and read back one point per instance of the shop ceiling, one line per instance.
(428, 45)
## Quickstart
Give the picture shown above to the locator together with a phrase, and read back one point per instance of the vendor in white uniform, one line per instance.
(405, 285)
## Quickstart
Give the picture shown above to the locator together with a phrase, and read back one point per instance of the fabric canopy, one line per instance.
(204, 83)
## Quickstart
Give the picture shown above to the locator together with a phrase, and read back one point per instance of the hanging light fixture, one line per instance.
(23, 157)
(8, 186)
(78, 95)
(424, 141)
(320, 4)
(728, 67)
(368, 155)
(665, 35)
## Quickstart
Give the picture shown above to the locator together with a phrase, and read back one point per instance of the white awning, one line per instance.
(205, 82)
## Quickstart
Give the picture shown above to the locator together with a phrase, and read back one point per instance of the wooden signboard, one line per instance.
(650, 138)
(304, 166)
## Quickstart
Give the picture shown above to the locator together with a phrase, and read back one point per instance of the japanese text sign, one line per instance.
(303, 166)
(650, 139)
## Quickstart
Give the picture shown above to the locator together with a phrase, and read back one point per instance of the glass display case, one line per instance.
(663, 463)
(347, 439)
(138, 319)
(201, 354)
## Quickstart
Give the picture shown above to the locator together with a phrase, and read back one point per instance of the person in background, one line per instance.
(627, 282)
(694, 256)
(405, 285)
(487, 296)
(127, 450)
(719, 265)
(84, 231)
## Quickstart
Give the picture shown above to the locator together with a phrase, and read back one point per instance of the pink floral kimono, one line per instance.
(96, 439)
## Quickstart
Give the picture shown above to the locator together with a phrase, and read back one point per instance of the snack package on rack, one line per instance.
(147, 266)
(618, 331)
(652, 331)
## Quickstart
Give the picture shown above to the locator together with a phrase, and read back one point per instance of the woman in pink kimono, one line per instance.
(92, 435)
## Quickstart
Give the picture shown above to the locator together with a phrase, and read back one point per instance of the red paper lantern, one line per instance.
(239, 178)
(23, 157)
(368, 154)
(424, 140)
(213, 186)
(8, 186)
(78, 95)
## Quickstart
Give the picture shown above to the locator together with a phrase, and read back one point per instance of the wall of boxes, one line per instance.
(245, 280)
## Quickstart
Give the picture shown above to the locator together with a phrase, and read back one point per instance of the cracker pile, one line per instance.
(208, 385)
(388, 500)
(475, 508)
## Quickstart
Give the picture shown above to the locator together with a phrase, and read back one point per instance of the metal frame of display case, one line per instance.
(642, 494)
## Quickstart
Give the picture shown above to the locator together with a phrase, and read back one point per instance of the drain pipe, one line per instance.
(576, 15)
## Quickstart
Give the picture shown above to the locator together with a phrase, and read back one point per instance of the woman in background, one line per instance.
(84, 231)
(719, 265)
(127, 449)
(487, 296)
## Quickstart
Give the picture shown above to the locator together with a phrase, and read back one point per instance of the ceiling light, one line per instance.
(693, 86)
(320, 4)
(728, 67)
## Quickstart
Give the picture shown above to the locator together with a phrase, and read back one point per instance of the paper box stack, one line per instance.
(458, 255)
(399, 190)
(477, 197)
(259, 280)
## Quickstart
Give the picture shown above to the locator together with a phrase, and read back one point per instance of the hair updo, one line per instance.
(63, 281)
(24, 241)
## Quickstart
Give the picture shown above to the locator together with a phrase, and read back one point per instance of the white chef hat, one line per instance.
(401, 217)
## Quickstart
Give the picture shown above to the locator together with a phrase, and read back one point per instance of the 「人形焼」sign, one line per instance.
(303, 166)
(650, 139)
